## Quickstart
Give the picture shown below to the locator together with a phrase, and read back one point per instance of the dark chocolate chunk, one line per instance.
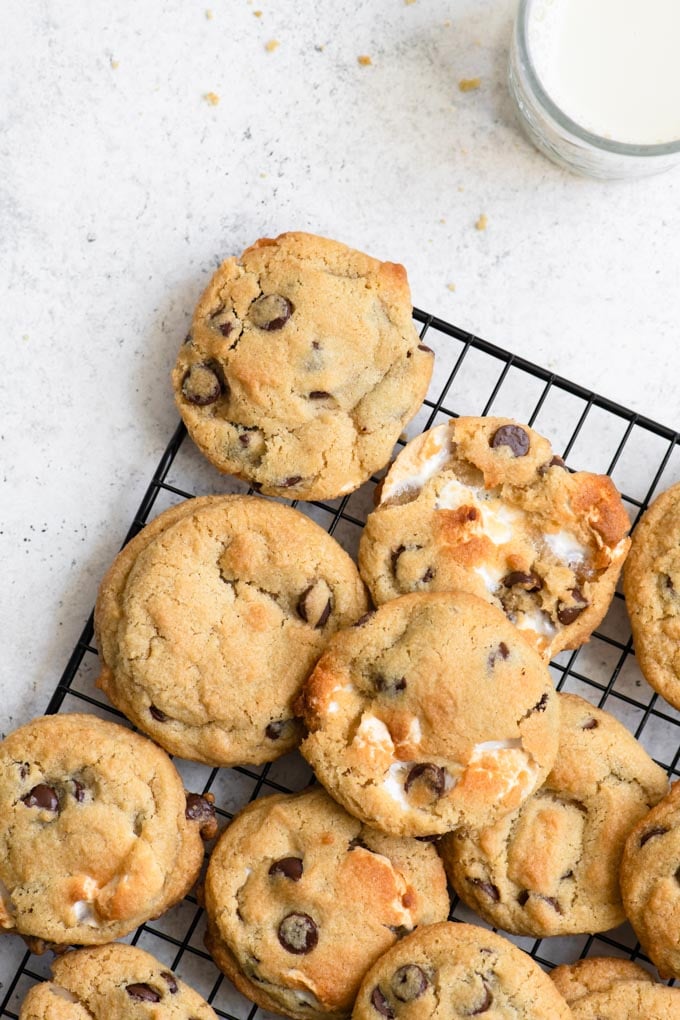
(364, 619)
(400, 930)
(486, 887)
(289, 867)
(279, 728)
(24, 769)
(567, 614)
(288, 483)
(485, 1004)
(143, 993)
(200, 809)
(226, 328)
(169, 978)
(270, 312)
(428, 575)
(409, 982)
(659, 830)
(318, 395)
(42, 796)
(313, 606)
(518, 579)
(523, 898)
(390, 685)
(432, 775)
(78, 791)
(512, 436)
(541, 704)
(157, 714)
(201, 385)
(379, 1002)
(298, 934)
(502, 652)
(553, 462)
(424, 347)
(394, 557)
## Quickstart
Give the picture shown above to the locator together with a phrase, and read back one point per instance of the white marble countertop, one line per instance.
(122, 186)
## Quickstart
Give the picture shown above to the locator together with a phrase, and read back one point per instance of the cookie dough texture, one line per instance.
(302, 366)
(432, 713)
(94, 833)
(449, 970)
(605, 988)
(114, 982)
(301, 899)
(650, 883)
(483, 505)
(211, 618)
(552, 867)
(651, 583)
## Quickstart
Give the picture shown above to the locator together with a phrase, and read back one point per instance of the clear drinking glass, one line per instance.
(559, 137)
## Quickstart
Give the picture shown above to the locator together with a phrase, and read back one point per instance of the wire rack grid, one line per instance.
(472, 376)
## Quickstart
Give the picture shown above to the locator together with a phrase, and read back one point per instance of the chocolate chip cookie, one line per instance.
(432, 713)
(651, 583)
(211, 618)
(604, 988)
(552, 867)
(97, 834)
(302, 366)
(302, 898)
(483, 505)
(448, 970)
(650, 883)
(114, 982)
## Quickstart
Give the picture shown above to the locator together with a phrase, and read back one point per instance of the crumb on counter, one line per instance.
(409, 2)
(115, 64)
(272, 45)
(451, 287)
(258, 14)
(482, 222)
(469, 84)
(364, 60)
(212, 98)
(209, 14)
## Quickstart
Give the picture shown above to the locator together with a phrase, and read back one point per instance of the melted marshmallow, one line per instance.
(566, 547)
(62, 993)
(420, 460)
(373, 733)
(538, 622)
(498, 522)
(85, 913)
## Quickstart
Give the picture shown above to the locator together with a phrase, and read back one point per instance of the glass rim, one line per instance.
(565, 121)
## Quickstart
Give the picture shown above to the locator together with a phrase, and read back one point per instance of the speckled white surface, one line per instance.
(121, 187)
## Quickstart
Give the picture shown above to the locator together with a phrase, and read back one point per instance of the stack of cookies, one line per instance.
(233, 629)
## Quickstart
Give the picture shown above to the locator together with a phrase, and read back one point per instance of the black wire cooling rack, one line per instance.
(471, 377)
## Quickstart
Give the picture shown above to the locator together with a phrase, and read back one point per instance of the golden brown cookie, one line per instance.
(483, 505)
(114, 982)
(302, 366)
(449, 971)
(301, 899)
(211, 618)
(432, 713)
(605, 988)
(97, 834)
(651, 583)
(552, 867)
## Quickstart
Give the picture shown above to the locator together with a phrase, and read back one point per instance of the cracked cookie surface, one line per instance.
(97, 834)
(651, 582)
(453, 970)
(302, 366)
(301, 898)
(211, 618)
(608, 988)
(650, 883)
(552, 868)
(114, 982)
(483, 505)
(432, 713)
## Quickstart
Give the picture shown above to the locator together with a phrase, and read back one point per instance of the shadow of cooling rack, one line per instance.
(471, 377)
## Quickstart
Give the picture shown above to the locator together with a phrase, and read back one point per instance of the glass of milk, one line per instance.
(597, 83)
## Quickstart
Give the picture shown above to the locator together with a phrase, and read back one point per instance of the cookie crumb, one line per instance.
(482, 222)
(212, 98)
(409, 2)
(209, 14)
(272, 45)
(451, 287)
(364, 60)
(258, 14)
(115, 64)
(469, 84)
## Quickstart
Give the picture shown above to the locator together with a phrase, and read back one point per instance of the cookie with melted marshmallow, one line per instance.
(432, 713)
(301, 898)
(607, 988)
(483, 505)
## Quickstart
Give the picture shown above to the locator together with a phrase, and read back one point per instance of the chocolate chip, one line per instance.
(486, 887)
(379, 1002)
(389, 685)
(270, 312)
(24, 769)
(200, 809)
(244, 439)
(523, 898)
(278, 728)
(315, 603)
(512, 436)
(157, 714)
(400, 930)
(143, 993)
(660, 830)
(590, 724)
(171, 982)
(188, 339)
(42, 796)
(201, 385)
(78, 791)
(226, 328)
(553, 903)
(431, 775)
(298, 934)
(677, 876)
(485, 1004)
(541, 704)
(517, 579)
(428, 575)
(567, 614)
(394, 557)
(424, 347)
(409, 982)
(288, 483)
(502, 652)
(318, 395)
(289, 867)
(364, 619)
(553, 462)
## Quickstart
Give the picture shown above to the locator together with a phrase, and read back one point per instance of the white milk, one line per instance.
(612, 66)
